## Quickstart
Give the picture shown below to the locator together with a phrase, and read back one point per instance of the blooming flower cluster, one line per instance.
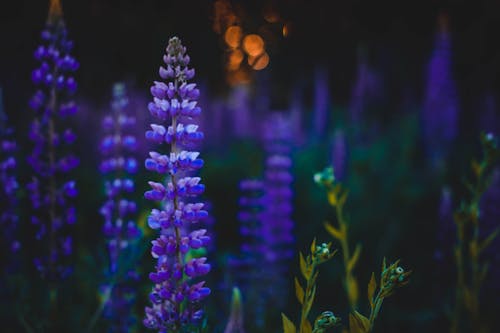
(251, 206)
(246, 267)
(177, 292)
(440, 110)
(118, 167)
(277, 225)
(8, 188)
(51, 189)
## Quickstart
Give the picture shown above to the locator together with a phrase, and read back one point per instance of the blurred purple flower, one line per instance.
(367, 87)
(440, 109)
(246, 267)
(118, 211)
(52, 190)
(9, 218)
(277, 225)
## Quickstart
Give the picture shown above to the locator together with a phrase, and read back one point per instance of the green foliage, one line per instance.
(471, 271)
(337, 197)
(391, 277)
(235, 322)
(308, 268)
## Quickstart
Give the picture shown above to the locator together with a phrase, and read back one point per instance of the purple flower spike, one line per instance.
(177, 292)
(52, 190)
(8, 189)
(277, 225)
(441, 110)
(118, 211)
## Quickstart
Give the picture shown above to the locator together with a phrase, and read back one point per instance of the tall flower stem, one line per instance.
(337, 197)
(469, 246)
(176, 296)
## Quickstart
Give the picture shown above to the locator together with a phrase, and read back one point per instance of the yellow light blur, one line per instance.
(253, 45)
(260, 62)
(286, 30)
(232, 36)
(234, 60)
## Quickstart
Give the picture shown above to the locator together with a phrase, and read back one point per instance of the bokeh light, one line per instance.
(253, 45)
(286, 29)
(234, 60)
(233, 35)
(260, 62)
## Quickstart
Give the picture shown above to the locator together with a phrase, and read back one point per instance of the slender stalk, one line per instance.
(52, 205)
(344, 244)
(304, 311)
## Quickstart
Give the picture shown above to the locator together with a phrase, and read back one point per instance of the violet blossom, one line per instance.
(9, 186)
(178, 291)
(52, 189)
(119, 167)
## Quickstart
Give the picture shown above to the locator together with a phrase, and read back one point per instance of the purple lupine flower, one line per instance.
(118, 167)
(440, 109)
(178, 289)
(366, 88)
(52, 189)
(277, 225)
(339, 152)
(247, 270)
(249, 216)
(9, 186)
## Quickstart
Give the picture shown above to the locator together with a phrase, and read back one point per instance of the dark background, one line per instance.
(117, 40)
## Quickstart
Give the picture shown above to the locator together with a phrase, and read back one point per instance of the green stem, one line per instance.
(176, 206)
(100, 309)
(344, 243)
(375, 309)
(309, 286)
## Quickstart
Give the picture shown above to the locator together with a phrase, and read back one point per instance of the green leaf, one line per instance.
(314, 277)
(306, 272)
(313, 246)
(332, 199)
(343, 198)
(336, 233)
(288, 326)
(358, 323)
(306, 327)
(476, 168)
(354, 259)
(372, 285)
(308, 302)
(299, 291)
(487, 241)
(352, 290)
